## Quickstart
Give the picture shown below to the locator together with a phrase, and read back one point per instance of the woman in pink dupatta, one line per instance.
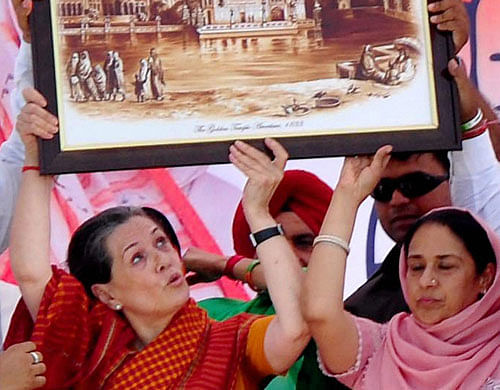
(449, 278)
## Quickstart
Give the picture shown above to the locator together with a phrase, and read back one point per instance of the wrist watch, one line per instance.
(265, 234)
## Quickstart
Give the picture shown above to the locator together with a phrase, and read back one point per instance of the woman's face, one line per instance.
(441, 276)
(147, 277)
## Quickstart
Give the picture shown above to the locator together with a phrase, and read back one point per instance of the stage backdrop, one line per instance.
(205, 197)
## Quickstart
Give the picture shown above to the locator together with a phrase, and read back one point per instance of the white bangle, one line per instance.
(335, 240)
(473, 122)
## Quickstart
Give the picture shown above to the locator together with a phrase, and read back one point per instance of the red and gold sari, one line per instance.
(88, 346)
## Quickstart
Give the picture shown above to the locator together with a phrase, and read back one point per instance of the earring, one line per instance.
(118, 306)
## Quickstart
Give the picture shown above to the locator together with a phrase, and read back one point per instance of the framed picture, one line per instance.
(146, 83)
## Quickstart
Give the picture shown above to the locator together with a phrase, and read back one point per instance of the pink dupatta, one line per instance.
(461, 352)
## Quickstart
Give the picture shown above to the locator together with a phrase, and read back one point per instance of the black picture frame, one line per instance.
(55, 161)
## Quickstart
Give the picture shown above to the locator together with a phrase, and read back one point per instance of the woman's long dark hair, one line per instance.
(466, 228)
(88, 257)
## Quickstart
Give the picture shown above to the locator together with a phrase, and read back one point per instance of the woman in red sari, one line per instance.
(122, 317)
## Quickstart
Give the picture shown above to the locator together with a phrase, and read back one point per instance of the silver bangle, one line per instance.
(335, 240)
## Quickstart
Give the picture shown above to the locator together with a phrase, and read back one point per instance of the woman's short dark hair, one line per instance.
(466, 228)
(88, 257)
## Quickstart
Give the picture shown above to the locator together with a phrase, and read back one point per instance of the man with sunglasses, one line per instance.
(413, 184)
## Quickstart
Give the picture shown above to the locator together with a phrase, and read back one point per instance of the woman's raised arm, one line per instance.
(30, 235)
(332, 328)
(287, 334)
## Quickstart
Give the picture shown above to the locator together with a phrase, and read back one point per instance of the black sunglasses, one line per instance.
(411, 185)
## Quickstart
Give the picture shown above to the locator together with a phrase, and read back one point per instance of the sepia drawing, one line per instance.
(211, 69)
(140, 83)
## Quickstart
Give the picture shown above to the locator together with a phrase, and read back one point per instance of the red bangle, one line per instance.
(475, 131)
(31, 168)
(231, 262)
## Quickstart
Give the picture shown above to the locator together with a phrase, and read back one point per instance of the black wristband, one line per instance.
(265, 234)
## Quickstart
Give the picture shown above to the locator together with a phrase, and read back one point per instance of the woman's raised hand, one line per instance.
(361, 174)
(35, 121)
(287, 334)
(263, 174)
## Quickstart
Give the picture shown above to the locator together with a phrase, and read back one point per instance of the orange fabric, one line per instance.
(257, 366)
(88, 346)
